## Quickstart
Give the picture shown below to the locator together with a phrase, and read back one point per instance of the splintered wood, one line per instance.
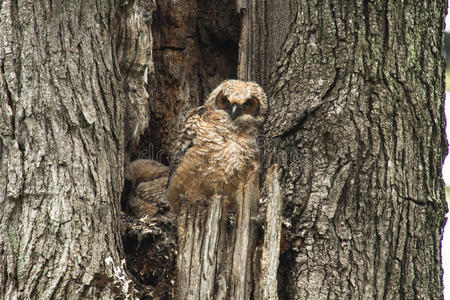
(221, 255)
(266, 284)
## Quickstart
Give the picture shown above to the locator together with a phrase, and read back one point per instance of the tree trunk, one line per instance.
(357, 127)
(61, 152)
(222, 253)
(216, 247)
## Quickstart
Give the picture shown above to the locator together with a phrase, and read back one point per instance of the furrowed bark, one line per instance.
(61, 152)
(356, 125)
(134, 47)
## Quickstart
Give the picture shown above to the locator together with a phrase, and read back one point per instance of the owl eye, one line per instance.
(225, 101)
(222, 101)
(249, 103)
(251, 106)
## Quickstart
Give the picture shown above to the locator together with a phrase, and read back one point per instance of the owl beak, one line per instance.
(235, 111)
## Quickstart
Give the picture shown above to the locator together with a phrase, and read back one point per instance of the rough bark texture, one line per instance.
(357, 127)
(61, 152)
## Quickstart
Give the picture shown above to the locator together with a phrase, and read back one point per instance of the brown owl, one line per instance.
(148, 179)
(217, 146)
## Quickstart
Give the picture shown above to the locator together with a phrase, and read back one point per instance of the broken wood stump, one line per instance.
(222, 253)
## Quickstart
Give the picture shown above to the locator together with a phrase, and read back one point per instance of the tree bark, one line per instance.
(356, 124)
(61, 152)
(266, 256)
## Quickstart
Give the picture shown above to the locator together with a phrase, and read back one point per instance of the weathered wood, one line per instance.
(267, 285)
(216, 247)
(217, 258)
(198, 236)
(135, 59)
(264, 28)
(244, 243)
(356, 125)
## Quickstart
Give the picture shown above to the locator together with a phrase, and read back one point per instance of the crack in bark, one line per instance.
(169, 48)
(10, 102)
(414, 200)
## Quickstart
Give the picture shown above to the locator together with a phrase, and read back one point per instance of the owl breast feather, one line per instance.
(227, 155)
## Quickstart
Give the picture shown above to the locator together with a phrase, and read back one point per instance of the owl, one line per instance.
(148, 180)
(217, 147)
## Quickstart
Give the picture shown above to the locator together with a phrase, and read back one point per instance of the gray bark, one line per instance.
(357, 127)
(61, 152)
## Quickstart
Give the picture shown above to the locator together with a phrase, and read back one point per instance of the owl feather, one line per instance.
(216, 148)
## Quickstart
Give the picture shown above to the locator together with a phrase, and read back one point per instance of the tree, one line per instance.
(62, 150)
(356, 126)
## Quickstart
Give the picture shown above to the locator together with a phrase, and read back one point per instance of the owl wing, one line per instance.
(185, 140)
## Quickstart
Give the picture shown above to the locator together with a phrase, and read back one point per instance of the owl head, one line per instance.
(245, 102)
